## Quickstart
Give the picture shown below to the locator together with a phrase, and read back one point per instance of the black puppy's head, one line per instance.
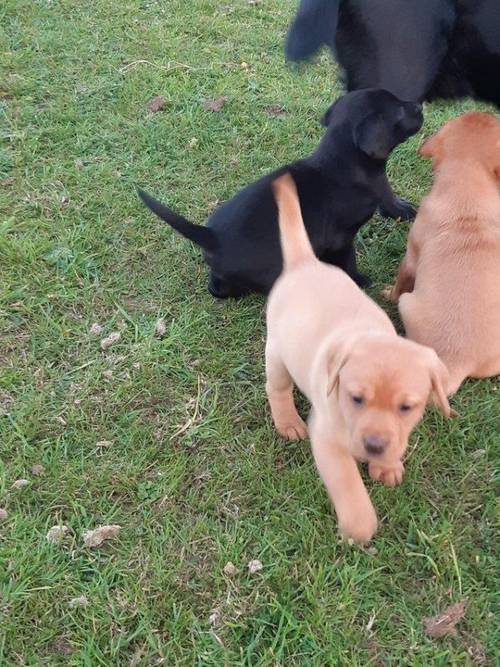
(378, 120)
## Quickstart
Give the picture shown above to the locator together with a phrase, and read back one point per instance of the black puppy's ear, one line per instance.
(325, 120)
(371, 137)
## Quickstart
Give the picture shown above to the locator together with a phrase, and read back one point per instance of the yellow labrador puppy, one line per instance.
(368, 387)
(448, 286)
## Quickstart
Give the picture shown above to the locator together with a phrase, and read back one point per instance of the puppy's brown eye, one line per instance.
(404, 407)
(358, 400)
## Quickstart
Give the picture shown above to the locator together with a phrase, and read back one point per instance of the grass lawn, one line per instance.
(192, 469)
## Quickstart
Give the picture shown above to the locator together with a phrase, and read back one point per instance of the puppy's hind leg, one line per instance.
(455, 378)
(345, 259)
(412, 319)
(405, 282)
(279, 389)
(415, 327)
(489, 368)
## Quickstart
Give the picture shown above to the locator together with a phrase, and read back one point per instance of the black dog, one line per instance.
(417, 49)
(340, 187)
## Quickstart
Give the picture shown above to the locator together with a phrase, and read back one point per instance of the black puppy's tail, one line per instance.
(315, 24)
(202, 236)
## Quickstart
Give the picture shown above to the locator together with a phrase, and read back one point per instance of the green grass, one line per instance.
(77, 247)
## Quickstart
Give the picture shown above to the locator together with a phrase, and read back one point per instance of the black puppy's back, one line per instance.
(339, 186)
(247, 230)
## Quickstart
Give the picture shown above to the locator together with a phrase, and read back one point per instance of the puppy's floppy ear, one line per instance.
(496, 167)
(325, 120)
(339, 355)
(432, 148)
(439, 383)
(371, 136)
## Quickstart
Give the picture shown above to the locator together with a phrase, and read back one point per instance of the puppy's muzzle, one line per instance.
(414, 116)
(375, 445)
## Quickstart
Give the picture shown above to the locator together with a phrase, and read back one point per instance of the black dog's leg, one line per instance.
(345, 259)
(391, 206)
(352, 270)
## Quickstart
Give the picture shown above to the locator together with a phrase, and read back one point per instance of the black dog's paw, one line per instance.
(399, 209)
(361, 280)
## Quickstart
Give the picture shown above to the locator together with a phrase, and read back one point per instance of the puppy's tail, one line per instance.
(202, 236)
(295, 244)
(314, 25)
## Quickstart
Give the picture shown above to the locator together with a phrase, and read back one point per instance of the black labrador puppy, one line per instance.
(417, 49)
(340, 187)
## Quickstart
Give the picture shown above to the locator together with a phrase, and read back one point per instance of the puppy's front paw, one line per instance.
(294, 429)
(359, 526)
(388, 475)
(399, 209)
(388, 294)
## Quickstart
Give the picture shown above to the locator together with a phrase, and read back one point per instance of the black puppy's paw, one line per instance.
(361, 280)
(398, 209)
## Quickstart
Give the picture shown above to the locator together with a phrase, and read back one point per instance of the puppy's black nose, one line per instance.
(374, 444)
(414, 110)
